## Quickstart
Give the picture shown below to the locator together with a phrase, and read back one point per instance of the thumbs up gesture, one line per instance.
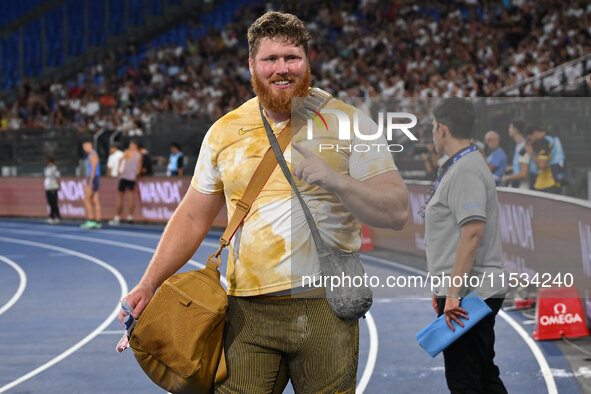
(315, 171)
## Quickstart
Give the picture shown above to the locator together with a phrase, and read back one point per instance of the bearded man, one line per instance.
(274, 332)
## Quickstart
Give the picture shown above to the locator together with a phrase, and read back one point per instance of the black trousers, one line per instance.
(51, 196)
(469, 361)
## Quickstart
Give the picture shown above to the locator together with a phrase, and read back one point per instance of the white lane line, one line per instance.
(394, 264)
(113, 332)
(107, 230)
(373, 332)
(533, 346)
(542, 362)
(21, 286)
(90, 336)
(372, 356)
(115, 243)
(113, 232)
(138, 234)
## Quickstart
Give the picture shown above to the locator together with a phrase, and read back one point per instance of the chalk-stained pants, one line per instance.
(268, 341)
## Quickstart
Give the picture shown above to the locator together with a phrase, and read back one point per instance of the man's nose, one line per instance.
(281, 66)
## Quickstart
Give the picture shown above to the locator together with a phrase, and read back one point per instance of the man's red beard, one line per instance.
(280, 101)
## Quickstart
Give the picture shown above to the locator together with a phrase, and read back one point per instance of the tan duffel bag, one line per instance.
(178, 338)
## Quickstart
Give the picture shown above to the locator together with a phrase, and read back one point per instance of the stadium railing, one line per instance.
(548, 73)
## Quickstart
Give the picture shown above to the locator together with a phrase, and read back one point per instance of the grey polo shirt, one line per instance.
(466, 192)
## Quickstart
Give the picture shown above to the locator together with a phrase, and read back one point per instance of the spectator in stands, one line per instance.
(135, 130)
(115, 155)
(4, 119)
(583, 89)
(175, 160)
(89, 106)
(91, 188)
(490, 53)
(14, 121)
(520, 176)
(130, 168)
(496, 159)
(107, 101)
(352, 54)
(52, 185)
(479, 144)
(547, 168)
(57, 118)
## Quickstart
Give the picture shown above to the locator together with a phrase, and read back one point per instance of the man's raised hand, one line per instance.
(315, 171)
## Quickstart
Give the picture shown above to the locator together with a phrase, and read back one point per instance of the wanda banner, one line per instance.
(541, 233)
(156, 198)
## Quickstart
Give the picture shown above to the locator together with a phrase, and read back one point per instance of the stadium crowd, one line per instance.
(361, 48)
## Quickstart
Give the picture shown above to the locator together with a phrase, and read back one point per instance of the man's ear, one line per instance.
(251, 65)
(443, 129)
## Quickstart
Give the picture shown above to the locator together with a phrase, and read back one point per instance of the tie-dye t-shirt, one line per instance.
(274, 248)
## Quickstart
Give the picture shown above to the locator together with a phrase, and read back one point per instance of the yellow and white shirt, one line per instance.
(274, 248)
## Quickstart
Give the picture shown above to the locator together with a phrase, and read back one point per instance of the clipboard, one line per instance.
(438, 336)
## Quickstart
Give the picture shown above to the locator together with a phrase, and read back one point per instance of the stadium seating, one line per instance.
(54, 37)
(136, 12)
(116, 17)
(32, 61)
(359, 48)
(75, 23)
(13, 10)
(96, 23)
(10, 61)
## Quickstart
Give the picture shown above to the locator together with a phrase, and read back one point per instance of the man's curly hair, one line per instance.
(280, 26)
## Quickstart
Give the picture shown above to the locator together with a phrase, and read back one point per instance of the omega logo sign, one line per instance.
(560, 316)
(559, 308)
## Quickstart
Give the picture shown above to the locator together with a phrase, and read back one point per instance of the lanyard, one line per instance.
(447, 166)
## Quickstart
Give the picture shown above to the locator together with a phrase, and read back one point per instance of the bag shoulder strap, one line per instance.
(323, 97)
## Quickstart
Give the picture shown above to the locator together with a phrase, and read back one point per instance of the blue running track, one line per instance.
(59, 294)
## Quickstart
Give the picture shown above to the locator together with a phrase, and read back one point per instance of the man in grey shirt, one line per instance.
(464, 242)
